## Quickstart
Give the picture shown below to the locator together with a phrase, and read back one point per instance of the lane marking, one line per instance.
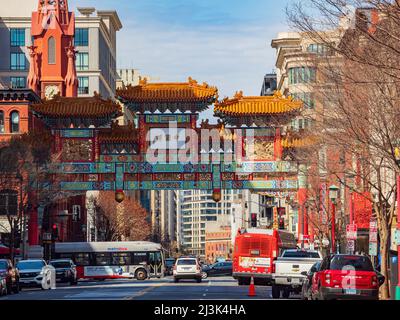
(143, 292)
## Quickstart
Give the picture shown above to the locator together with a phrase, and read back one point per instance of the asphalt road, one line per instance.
(224, 288)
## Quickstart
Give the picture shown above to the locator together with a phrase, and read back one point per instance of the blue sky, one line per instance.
(223, 42)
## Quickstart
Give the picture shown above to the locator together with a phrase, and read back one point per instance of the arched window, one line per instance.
(1, 121)
(14, 122)
(52, 50)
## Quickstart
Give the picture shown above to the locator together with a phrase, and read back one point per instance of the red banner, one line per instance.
(362, 210)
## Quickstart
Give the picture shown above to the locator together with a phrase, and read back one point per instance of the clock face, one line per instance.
(51, 91)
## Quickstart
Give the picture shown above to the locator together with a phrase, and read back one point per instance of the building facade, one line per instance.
(218, 240)
(197, 211)
(95, 40)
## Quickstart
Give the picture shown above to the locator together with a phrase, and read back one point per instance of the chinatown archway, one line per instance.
(166, 147)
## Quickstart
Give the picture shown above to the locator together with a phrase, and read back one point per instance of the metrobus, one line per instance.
(255, 251)
(114, 260)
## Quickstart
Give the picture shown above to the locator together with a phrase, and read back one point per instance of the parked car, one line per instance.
(217, 270)
(11, 275)
(346, 277)
(65, 270)
(187, 268)
(169, 266)
(306, 288)
(31, 272)
(289, 267)
(3, 286)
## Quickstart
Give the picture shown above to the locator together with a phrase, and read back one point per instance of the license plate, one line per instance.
(296, 281)
(350, 291)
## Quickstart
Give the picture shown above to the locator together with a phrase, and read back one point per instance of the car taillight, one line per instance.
(328, 279)
(374, 281)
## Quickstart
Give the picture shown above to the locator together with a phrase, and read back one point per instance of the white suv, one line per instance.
(32, 272)
(187, 268)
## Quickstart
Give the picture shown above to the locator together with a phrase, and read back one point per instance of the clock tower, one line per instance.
(52, 70)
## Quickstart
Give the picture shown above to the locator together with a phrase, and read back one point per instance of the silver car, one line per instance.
(187, 268)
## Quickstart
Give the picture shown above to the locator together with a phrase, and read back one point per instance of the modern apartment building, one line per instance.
(269, 84)
(95, 40)
(196, 209)
(163, 214)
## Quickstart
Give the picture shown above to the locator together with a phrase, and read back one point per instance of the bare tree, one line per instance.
(126, 221)
(357, 89)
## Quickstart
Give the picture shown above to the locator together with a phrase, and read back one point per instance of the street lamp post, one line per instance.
(333, 195)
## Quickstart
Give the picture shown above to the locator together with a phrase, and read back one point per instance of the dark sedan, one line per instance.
(65, 271)
(169, 266)
(218, 269)
(306, 289)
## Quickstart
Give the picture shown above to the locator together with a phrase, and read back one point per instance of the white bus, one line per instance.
(114, 260)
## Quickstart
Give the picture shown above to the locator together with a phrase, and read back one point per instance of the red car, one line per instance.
(346, 277)
(11, 274)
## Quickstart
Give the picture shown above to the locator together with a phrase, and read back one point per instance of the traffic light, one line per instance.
(281, 223)
(54, 232)
(254, 220)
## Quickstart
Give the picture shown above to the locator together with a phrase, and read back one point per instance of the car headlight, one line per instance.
(41, 273)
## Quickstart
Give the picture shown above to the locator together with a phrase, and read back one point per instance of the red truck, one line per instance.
(255, 251)
(346, 277)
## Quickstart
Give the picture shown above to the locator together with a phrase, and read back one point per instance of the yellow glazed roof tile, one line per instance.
(189, 91)
(247, 106)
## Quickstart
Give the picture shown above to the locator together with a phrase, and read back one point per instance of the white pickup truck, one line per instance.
(289, 266)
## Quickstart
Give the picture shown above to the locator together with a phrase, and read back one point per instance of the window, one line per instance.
(139, 258)
(82, 259)
(103, 259)
(301, 254)
(17, 37)
(52, 51)
(1, 121)
(121, 259)
(302, 75)
(320, 49)
(18, 82)
(82, 61)
(351, 262)
(81, 37)
(14, 122)
(306, 97)
(18, 61)
(8, 202)
(83, 85)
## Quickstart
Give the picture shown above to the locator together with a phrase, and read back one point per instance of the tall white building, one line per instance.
(196, 207)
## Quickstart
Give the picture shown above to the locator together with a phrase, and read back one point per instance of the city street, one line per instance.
(157, 289)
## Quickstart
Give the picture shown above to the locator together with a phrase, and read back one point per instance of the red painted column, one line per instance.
(300, 222)
(306, 222)
(351, 209)
(33, 227)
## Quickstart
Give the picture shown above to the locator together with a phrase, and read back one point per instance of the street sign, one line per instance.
(373, 249)
(398, 237)
(373, 238)
(46, 236)
(351, 246)
(264, 222)
(351, 232)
